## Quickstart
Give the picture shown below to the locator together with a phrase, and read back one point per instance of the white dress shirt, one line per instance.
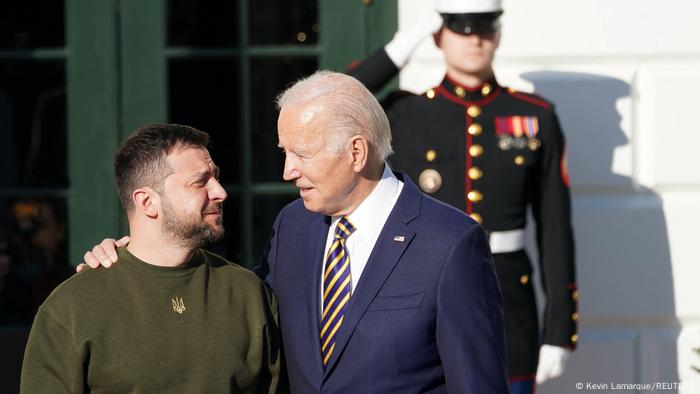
(368, 218)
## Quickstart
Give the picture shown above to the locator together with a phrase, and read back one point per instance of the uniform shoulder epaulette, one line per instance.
(530, 98)
(430, 93)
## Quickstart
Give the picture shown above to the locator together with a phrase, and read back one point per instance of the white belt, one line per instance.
(507, 241)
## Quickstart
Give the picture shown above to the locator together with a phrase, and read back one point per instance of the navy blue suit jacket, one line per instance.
(425, 315)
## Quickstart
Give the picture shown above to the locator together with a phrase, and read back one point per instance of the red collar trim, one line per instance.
(491, 81)
(458, 100)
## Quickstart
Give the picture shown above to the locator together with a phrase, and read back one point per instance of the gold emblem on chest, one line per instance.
(178, 305)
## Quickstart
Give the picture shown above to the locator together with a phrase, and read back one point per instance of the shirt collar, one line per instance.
(367, 214)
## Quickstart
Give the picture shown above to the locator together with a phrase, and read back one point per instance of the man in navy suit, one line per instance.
(381, 289)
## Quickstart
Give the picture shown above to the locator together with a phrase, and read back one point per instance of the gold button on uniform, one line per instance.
(519, 160)
(475, 196)
(574, 295)
(430, 93)
(430, 155)
(476, 217)
(574, 316)
(476, 150)
(486, 89)
(367, 3)
(430, 180)
(524, 279)
(574, 338)
(475, 173)
(459, 91)
(474, 111)
(474, 129)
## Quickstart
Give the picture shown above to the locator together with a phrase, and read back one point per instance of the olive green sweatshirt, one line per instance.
(207, 326)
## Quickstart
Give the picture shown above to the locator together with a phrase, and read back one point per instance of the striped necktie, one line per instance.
(336, 287)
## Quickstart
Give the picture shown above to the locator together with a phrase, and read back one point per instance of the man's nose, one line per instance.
(217, 192)
(291, 170)
(474, 38)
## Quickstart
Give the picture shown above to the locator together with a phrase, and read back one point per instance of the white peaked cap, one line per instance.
(467, 6)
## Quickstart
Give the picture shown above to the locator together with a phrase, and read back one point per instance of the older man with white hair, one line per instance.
(381, 288)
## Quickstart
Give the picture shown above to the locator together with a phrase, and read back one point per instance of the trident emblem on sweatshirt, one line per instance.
(178, 305)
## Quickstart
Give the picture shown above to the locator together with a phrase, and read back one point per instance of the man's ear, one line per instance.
(437, 37)
(146, 201)
(359, 149)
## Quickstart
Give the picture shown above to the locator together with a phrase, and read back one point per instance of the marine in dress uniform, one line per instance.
(492, 152)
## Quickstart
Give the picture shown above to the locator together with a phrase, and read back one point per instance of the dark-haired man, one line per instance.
(171, 317)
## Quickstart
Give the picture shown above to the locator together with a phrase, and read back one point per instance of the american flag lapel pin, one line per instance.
(399, 238)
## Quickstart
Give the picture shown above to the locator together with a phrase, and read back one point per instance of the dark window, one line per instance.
(283, 22)
(31, 24)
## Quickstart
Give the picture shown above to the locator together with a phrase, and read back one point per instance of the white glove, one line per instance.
(405, 41)
(552, 362)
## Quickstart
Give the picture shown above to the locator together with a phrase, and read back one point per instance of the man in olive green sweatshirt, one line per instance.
(172, 317)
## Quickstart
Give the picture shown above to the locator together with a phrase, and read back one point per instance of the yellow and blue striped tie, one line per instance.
(337, 286)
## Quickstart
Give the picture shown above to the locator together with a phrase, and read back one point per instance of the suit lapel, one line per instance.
(385, 254)
(318, 232)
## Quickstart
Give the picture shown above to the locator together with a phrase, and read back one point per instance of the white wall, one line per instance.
(624, 76)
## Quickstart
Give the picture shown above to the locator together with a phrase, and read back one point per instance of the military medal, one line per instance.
(505, 142)
(430, 180)
(534, 143)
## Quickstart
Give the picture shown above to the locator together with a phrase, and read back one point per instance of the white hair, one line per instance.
(350, 107)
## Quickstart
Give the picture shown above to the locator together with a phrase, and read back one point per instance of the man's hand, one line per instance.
(103, 254)
(552, 362)
(406, 40)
